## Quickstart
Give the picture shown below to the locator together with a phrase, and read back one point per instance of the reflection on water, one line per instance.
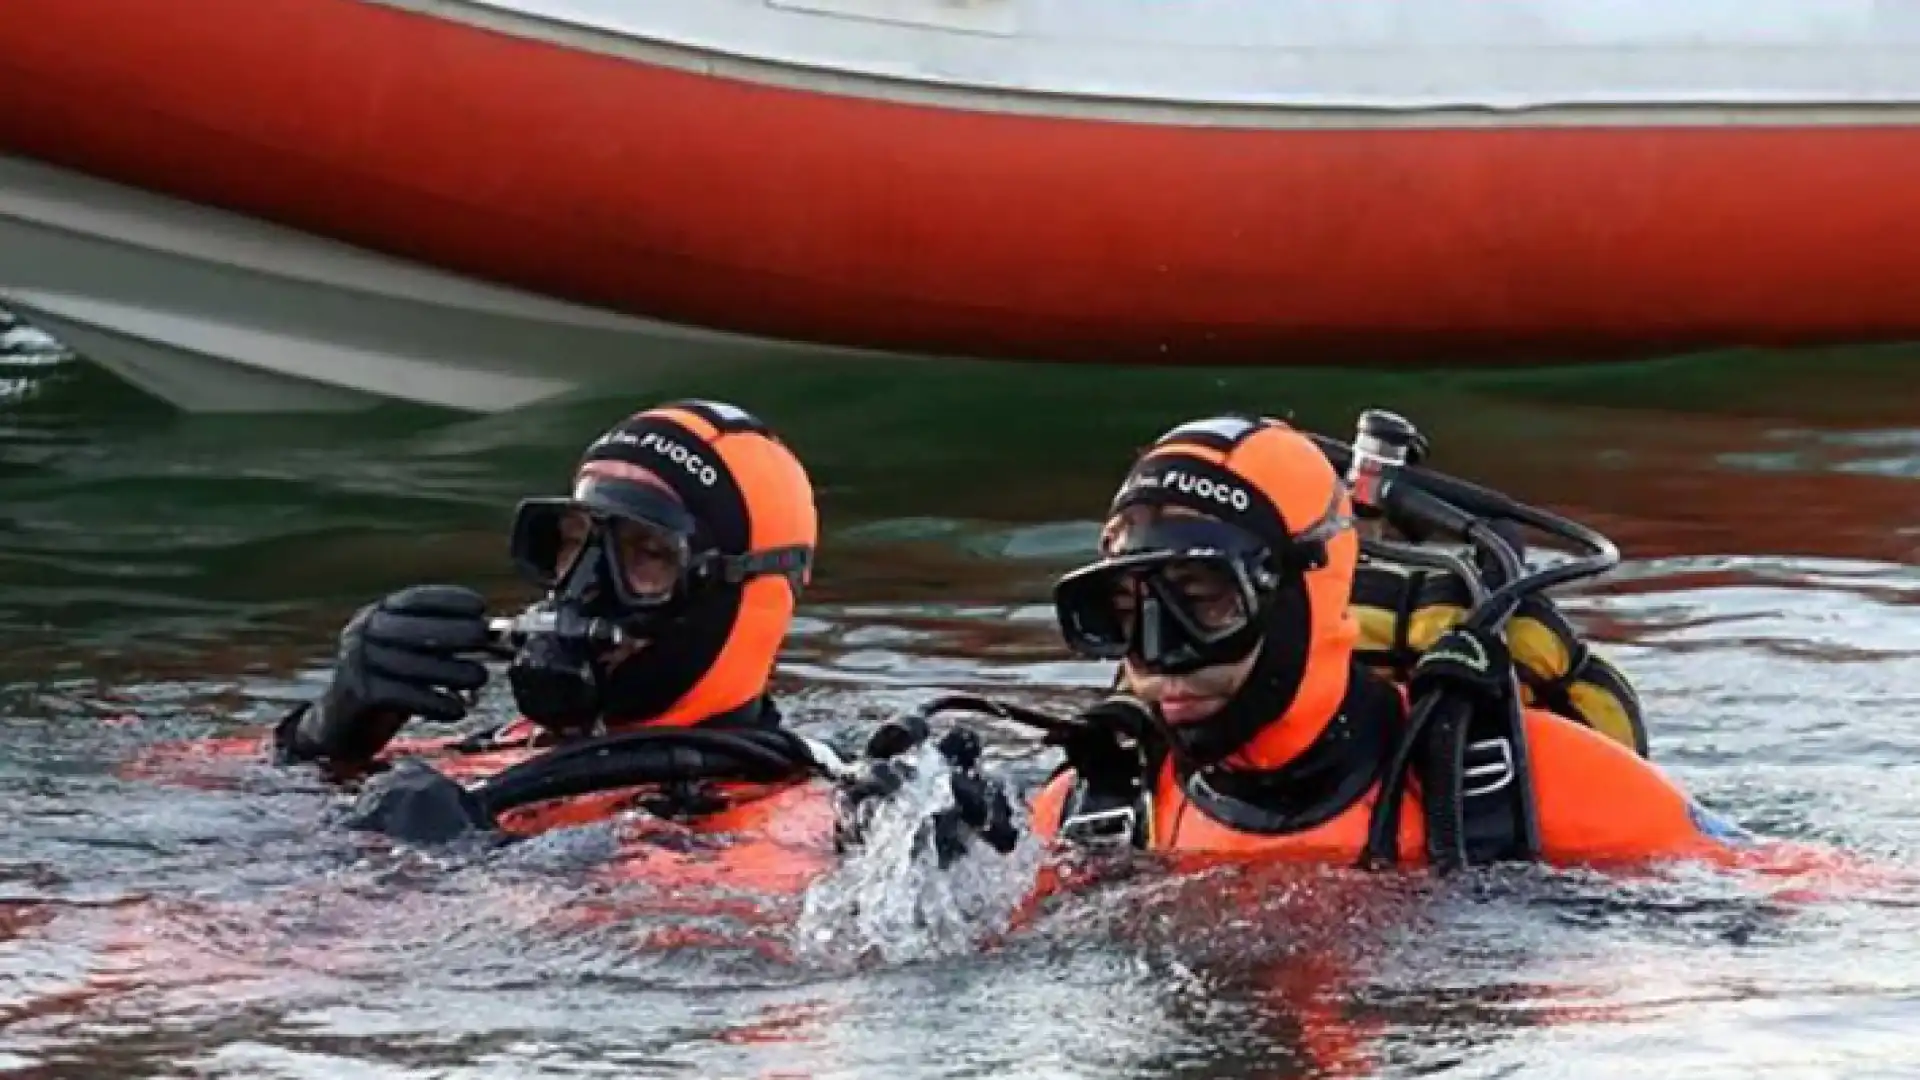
(167, 578)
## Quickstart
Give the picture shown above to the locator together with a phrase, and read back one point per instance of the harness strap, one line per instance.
(1111, 802)
(1102, 815)
(1496, 796)
(1476, 789)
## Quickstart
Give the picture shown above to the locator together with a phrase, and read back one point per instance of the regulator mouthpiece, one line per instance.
(513, 632)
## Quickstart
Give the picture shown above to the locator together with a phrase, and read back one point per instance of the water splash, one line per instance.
(890, 902)
(19, 339)
(26, 355)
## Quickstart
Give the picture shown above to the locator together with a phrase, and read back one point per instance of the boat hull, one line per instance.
(214, 312)
(825, 212)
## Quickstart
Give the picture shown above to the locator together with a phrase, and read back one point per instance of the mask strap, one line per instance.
(1307, 549)
(791, 562)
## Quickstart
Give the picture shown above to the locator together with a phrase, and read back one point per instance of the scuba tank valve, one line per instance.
(1382, 443)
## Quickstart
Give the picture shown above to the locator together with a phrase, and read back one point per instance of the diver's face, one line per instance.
(648, 559)
(1196, 695)
(638, 565)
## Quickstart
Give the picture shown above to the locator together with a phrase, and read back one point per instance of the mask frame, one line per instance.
(1162, 634)
(596, 584)
(536, 538)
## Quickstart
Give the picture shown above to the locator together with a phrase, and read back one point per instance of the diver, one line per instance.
(671, 574)
(1248, 721)
(1225, 588)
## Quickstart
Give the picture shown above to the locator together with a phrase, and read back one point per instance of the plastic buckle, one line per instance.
(1101, 826)
(1493, 774)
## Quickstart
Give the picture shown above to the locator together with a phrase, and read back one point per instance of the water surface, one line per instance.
(167, 578)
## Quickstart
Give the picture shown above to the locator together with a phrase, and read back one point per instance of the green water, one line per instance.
(174, 577)
(121, 514)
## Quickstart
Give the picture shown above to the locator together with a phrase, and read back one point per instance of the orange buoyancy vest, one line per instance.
(1596, 803)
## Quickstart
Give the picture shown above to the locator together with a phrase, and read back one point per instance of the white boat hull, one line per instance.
(214, 312)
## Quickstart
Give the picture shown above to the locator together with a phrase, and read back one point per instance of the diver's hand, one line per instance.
(398, 659)
(873, 778)
(1474, 662)
(980, 803)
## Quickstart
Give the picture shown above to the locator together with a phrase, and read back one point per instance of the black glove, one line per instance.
(1473, 662)
(980, 804)
(398, 659)
(415, 804)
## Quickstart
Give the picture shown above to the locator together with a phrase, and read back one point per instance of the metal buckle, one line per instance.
(1500, 770)
(1104, 826)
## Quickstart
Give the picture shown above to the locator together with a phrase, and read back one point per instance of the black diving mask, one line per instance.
(630, 552)
(616, 549)
(618, 555)
(1179, 595)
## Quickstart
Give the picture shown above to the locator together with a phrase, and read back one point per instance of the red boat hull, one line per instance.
(831, 218)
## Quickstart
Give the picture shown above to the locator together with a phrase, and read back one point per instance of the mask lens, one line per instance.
(651, 561)
(1205, 593)
(625, 542)
(575, 526)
